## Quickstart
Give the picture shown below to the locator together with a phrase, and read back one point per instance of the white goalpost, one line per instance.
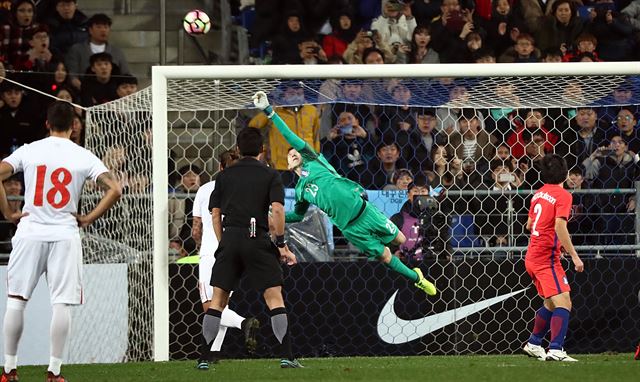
(216, 90)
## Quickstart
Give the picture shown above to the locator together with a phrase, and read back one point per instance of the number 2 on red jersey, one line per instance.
(59, 187)
(537, 209)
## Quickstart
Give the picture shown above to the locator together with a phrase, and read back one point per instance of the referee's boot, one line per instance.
(11, 376)
(290, 364)
(424, 284)
(249, 327)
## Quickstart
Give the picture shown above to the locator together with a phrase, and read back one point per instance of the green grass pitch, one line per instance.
(508, 368)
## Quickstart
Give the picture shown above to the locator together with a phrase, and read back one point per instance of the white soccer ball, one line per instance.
(196, 22)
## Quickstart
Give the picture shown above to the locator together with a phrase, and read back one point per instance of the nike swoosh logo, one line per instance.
(394, 330)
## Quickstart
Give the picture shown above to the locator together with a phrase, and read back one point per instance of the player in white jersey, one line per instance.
(202, 232)
(47, 240)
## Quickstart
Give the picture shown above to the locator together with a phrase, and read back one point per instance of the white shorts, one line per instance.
(60, 261)
(205, 266)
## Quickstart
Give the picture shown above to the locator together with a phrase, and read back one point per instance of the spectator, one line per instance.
(534, 120)
(491, 221)
(77, 131)
(450, 30)
(127, 85)
(13, 188)
(180, 210)
(484, 56)
(581, 220)
(428, 139)
(68, 94)
(367, 40)
(344, 32)
(472, 143)
(68, 26)
(303, 119)
(614, 34)
(60, 77)
(100, 87)
(610, 168)
(14, 39)
(419, 52)
(585, 43)
(448, 116)
(632, 11)
(77, 59)
(39, 57)
(425, 11)
(310, 53)
(348, 147)
(353, 99)
(502, 17)
(20, 116)
(585, 136)
(373, 56)
(524, 50)
(533, 12)
(285, 43)
(400, 180)
(115, 159)
(396, 23)
(560, 28)
(626, 128)
(445, 166)
(381, 170)
(552, 55)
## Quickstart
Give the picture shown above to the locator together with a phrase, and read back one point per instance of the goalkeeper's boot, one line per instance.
(637, 356)
(559, 355)
(535, 351)
(424, 284)
(55, 378)
(290, 364)
(250, 328)
(11, 376)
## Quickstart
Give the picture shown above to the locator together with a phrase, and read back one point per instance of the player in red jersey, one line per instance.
(549, 241)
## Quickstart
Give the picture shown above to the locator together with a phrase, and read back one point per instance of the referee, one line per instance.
(243, 194)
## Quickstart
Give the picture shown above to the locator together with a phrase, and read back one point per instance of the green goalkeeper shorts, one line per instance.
(371, 232)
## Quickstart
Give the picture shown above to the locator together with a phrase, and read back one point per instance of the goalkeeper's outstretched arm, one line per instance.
(261, 102)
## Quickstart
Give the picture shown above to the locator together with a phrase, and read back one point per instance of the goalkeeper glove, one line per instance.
(261, 102)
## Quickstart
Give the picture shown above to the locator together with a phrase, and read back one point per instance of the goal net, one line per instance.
(381, 126)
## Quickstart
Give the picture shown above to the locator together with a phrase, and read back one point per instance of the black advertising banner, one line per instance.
(361, 308)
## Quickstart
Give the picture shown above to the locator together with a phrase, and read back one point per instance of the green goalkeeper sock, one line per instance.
(398, 266)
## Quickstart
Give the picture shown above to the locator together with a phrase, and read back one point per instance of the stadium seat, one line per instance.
(463, 232)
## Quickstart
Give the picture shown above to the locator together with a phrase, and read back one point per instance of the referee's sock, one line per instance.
(210, 325)
(280, 326)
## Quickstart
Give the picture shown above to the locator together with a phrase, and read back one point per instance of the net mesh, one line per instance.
(353, 123)
(120, 134)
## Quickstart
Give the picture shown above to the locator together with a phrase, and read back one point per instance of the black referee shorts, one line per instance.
(238, 254)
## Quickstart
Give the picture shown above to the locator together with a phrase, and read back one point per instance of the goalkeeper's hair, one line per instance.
(227, 158)
(553, 169)
(60, 116)
(250, 142)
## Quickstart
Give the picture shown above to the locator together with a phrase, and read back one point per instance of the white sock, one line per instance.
(231, 319)
(54, 365)
(217, 343)
(10, 362)
(60, 326)
(13, 324)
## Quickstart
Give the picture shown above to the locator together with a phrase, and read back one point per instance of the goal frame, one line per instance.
(161, 74)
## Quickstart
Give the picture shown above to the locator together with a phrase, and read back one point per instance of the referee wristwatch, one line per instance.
(280, 241)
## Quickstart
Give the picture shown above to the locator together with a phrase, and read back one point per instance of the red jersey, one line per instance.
(548, 203)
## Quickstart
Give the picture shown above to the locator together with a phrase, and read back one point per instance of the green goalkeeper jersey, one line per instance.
(320, 184)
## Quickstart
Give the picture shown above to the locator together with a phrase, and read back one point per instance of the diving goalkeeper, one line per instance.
(342, 200)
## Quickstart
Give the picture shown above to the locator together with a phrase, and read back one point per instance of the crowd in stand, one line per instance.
(54, 48)
(447, 31)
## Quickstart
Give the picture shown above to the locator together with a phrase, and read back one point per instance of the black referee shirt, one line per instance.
(244, 190)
